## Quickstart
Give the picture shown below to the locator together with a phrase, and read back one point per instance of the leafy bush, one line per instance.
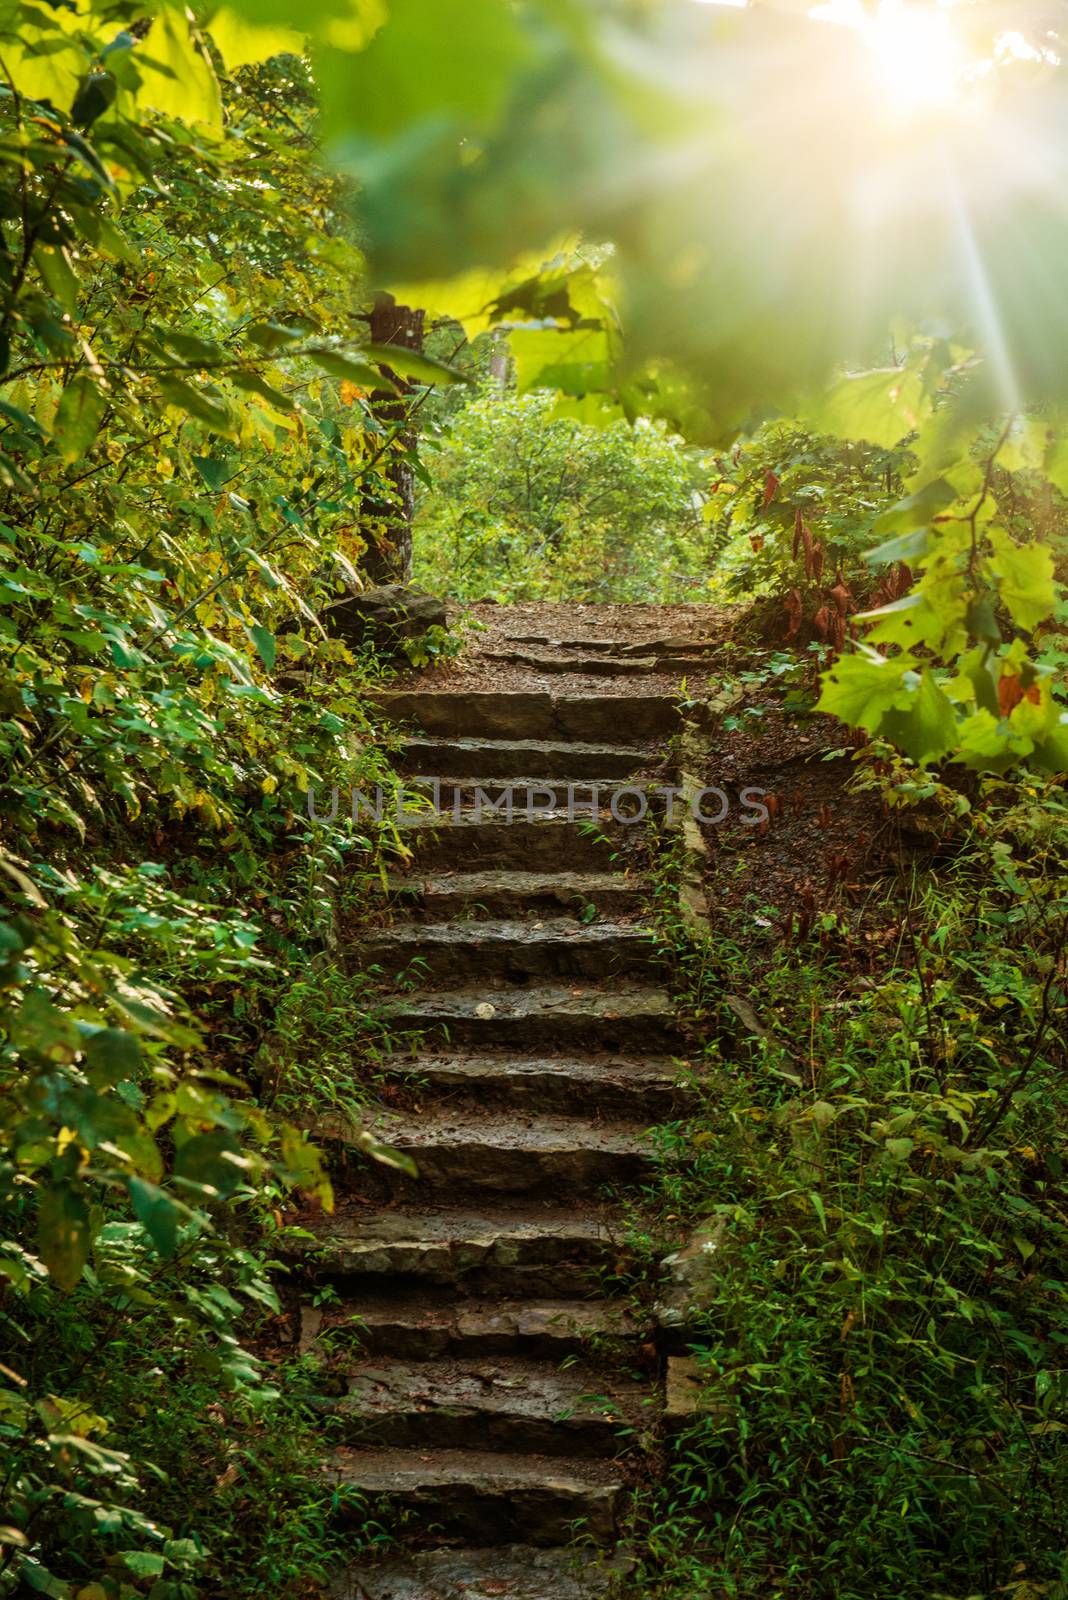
(528, 504)
(184, 451)
(883, 1350)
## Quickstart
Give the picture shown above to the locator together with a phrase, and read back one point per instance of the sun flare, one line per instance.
(916, 53)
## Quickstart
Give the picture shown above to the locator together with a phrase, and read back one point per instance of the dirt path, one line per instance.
(497, 1386)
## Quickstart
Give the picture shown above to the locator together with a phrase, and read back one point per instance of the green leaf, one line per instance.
(915, 512)
(112, 1055)
(54, 265)
(386, 1156)
(78, 415)
(1056, 463)
(177, 77)
(576, 361)
(144, 1563)
(272, 336)
(213, 470)
(20, 418)
(212, 1161)
(340, 365)
(42, 1581)
(906, 547)
(881, 407)
(264, 641)
(197, 352)
(252, 383)
(198, 403)
(304, 1165)
(158, 1213)
(1026, 584)
(860, 689)
(926, 729)
(240, 43)
(63, 1233)
(983, 745)
(414, 364)
(39, 1027)
(96, 94)
(1026, 446)
(434, 60)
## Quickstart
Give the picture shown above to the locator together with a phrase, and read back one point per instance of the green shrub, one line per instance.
(528, 504)
(883, 1351)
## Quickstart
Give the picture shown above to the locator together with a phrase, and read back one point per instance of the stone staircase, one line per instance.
(500, 1395)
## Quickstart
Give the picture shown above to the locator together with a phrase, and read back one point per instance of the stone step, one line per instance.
(521, 1251)
(468, 842)
(531, 714)
(603, 665)
(512, 758)
(502, 1153)
(672, 644)
(624, 1019)
(510, 1405)
(422, 1325)
(488, 1498)
(451, 952)
(513, 1572)
(598, 665)
(647, 1089)
(499, 893)
(522, 797)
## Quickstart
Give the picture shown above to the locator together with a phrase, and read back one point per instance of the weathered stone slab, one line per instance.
(506, 893)
(506, 1403)
(503, 1154)
(649, 1089)
(511, 1573)
(559, 947)
(487, 1497)
(384, 616)
(468, 843)
(624, 1018)
(515, 758)
(421, 1325)
(531, 1250)
(532, 714)
(690, 1278)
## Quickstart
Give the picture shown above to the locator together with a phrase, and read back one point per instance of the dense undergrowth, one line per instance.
(526, 503)
(878, 1168)
(185, 451)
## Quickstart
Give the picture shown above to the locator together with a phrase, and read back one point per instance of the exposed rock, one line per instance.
(625, 1019)
(487, 1496)
(515, 950)
(690, 1397)
(420, 1324)
(645, 1088)
(478, 1152)
(532, 714)
(508, 893)
(690, 1278)
(508, 1404)
(516, 758)
(513, 1573)
(385, 616)
(685, 1395)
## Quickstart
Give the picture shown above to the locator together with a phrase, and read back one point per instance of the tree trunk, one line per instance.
(387, 513)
